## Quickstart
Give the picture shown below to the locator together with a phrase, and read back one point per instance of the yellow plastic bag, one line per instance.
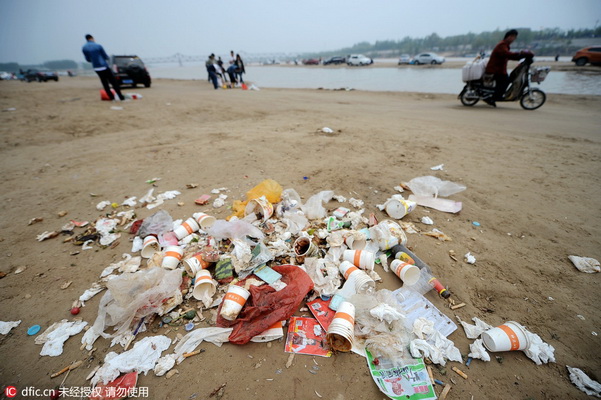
(268, 188)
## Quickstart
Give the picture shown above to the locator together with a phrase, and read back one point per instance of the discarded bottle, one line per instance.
(435, 283)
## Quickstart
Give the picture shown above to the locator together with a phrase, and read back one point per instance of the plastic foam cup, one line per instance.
(397, 209)
(507, 337)
(408, 273)
(205, 221)
(150, 246)
(340, 334)
(261, 207)
(303, 246)
(204, 287)
(233, 301)
(195, 264)
(360, 258)
(187, 228)
(172, 257)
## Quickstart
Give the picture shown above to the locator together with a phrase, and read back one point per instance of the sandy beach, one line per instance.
(533, 184)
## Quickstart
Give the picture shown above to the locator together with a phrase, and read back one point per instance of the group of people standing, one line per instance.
(217, 71)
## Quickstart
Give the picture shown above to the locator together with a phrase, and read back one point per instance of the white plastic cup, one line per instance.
(150, 246)
(408, 273)
(261, 207)
(205, 221)
(194, 264)
(204, 287)
(340, 334)
(360, 258)
(304, 246)
(172, 257)
(510, 336)
(187, 228)
(233, 301)
(397, 209)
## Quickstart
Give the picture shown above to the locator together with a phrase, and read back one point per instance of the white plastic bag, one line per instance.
(236, 229)
(585, 264)
(434, 187)
(157, 224)
(584, 383)
(314, 208)
(130, 296)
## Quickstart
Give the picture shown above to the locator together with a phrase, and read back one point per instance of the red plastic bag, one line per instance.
(265, 306)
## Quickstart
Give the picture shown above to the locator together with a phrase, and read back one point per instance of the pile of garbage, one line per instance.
(244, 278)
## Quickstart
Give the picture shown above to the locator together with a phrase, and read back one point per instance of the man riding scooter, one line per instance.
(497, 66)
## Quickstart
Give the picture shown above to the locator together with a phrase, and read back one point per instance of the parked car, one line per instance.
(130, 70)
(404, 59)
(311, 61)
(335, 60)
(587, 55)
(429, 58)
(40, 75)
(359, 59)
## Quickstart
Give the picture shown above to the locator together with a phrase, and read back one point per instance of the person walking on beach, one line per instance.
(210, 64)
(95, 54)
(240, 67)
(497, 65)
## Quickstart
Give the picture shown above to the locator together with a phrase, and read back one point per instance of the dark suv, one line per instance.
(335, 60)
(130, 70)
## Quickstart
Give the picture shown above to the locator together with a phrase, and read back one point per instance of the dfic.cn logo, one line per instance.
(10, 391)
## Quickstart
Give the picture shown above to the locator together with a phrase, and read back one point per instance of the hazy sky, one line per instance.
(34, 31)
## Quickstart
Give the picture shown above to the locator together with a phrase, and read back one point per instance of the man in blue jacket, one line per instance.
(95, 54)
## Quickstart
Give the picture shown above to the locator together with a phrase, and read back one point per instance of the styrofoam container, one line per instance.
(233, 301)
(408, 273)
(172, 257)
(150, 246)
(510, 336)
(360, 258)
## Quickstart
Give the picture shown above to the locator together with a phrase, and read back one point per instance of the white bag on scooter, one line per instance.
(473, 70)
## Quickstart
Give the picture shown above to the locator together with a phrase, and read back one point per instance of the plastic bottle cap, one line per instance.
(476, 223)
(33, 330)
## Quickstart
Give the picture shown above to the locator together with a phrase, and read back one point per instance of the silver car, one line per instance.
(428, 58)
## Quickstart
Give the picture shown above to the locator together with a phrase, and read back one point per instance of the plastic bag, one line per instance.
(434, 187)
(158, 223)
(130, 296)
(584, 383)
(290, 202)
(237, 229)
(314, 208)
(266, 306)
(585, 264)
(324, 274)
(268, 188)
(478, 351)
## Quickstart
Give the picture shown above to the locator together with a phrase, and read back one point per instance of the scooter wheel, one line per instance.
(468, 97)
(533, 99)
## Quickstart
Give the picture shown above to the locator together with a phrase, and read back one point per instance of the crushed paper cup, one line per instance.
(195, 264)
(262, 208)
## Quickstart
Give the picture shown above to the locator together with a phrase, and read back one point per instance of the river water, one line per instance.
(393, 79)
